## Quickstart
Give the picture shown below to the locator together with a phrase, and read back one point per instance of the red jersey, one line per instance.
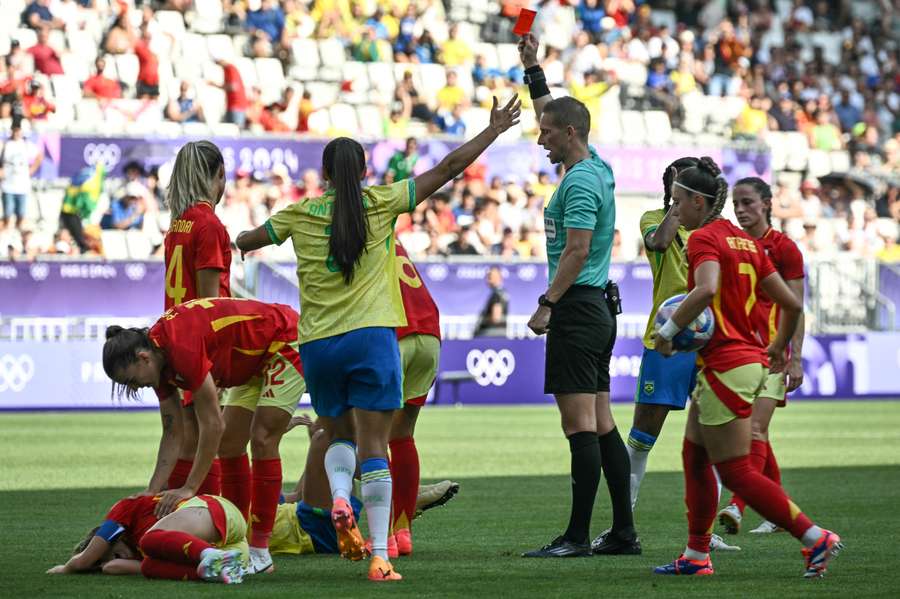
(422, 315)
(148, 72)
(135, 515)
(788, 261)
(102, 88)
(196, 240)
(235, 96)
(46, 60)
(742, 264)
(228, 338)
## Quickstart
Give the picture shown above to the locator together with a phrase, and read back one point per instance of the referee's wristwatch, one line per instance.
(543, 301)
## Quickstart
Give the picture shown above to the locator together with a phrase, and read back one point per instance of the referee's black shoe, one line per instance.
(561, 547)
(609, 543)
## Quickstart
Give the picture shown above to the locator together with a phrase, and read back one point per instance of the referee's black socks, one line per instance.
(585, 479)
(617, 467)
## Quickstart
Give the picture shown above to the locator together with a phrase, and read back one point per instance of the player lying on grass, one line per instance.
(203, 539)
(727, 269)
(246, 346)
(303, 524)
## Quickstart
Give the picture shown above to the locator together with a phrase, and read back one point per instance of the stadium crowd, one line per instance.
(826, 70)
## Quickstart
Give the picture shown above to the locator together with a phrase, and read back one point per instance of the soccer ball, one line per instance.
(694, 336)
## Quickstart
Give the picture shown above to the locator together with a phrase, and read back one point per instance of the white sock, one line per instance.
(638, 459)
(695, 555)
(340, 464)
(376, 495)
(811, 536)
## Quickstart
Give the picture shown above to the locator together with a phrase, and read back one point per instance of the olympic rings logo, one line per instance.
(136, 271)
(491, 367)
(108, 154)
(438, 272)
(15, 372)
(39, 271)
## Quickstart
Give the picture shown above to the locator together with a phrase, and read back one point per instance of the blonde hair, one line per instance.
(196, 165)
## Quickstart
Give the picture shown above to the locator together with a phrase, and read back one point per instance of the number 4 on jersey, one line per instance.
(174, 283)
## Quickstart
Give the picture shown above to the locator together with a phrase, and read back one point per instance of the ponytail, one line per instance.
(196, 167)
(344, 163)
(669, 177)
(762, 188)
(119, 351)
(705, 179)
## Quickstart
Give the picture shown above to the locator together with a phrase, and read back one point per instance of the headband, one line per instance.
(692, 190)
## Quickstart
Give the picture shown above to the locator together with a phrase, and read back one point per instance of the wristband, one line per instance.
(543, 301)
(668, 330)
(537, 82)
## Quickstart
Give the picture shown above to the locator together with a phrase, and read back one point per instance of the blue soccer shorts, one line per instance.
(666, 381)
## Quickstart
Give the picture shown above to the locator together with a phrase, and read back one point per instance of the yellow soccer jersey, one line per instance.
(670, 268)
(287, 535)
(328, 306)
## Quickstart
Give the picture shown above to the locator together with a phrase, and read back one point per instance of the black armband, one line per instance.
(537, 82)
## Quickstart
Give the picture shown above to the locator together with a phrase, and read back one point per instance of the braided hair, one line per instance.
(762, 188)
(119, 351)
(707, 179)
(669, 176)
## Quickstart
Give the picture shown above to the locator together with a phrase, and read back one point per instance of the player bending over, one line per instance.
(752, 199)
(726, 270)
(203, 539)
(245, 345)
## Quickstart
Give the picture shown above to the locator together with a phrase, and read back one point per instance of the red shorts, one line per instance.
(417, 401)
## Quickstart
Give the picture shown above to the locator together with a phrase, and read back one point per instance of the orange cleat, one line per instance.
(350, 540)
(381, 570)
(404, 541)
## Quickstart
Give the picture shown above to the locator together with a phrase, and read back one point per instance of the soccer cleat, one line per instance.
(436, 495)
(612, 544)
(403, 539)
(717, 543)
(686, 567)
(221, 566)
(392, 547)
(730, 517)
(381, 570)
(766, 528)
(817, 557)
(561, 547)
(260, 561)
(350, 541)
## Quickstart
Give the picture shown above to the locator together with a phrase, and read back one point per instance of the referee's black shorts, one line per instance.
(580, 341)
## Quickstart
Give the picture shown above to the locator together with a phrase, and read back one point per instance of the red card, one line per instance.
(523, 24)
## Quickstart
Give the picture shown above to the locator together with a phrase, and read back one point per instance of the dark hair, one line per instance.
(707, 179)
(344, 163)
(568, 111)
(670, 173)
(764, 191)
(119, 351)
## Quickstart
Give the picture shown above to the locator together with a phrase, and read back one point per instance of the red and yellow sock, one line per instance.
(266, 491)
(173, 546)
(236, 482)
(759, 451)
(404, 466)
(699, 495)
(771, 469)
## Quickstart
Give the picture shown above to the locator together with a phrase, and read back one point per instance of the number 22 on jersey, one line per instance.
(175, 289)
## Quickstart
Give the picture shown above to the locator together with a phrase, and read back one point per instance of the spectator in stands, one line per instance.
(451, 94)
(121, 36)
(753, 120)
(403, 162)
(366, 49)
(462, 246)
(847, 112)
(783, 115)
(70, 13)
(396, 125)
(591, 13)
(35, 105)
(405, 42)
(311, 186)
(127, 212)
(554, 69)
(376, 24)
(455, 52)
(410, 100)
(99, 86)
(266, 17)
(426, 49)
(148, 72)
(20, 159)
(824, 135)
(661, 91)
(452, 124)
(298, 24)
(38, 13)
(46, 60)
(236, 102)
(304, 110)
(492, 321)
(80, 201)
(728, 51)
(184, 109)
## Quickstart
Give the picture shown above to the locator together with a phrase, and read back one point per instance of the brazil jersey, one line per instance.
(669, 268)
(372, 299)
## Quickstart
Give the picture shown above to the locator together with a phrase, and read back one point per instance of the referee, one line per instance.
(578, 314)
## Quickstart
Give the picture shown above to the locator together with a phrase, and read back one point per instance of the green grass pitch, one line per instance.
(840, 463)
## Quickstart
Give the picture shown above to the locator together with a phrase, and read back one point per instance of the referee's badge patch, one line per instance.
(649, 388)
(550, 228)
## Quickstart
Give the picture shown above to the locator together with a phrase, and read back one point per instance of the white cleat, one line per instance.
(260, 561)
(436, 495)
(717, 543)
(766, 528)
(730, 518)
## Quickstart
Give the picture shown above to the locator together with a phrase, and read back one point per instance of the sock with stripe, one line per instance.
(174, 546)
(237, 482)
(759, 451)
(404, 468)
(764, 496)
(266, 489)
(771, 469)
(340, 465)
(700, 497)
(157, 568)
(376, 495)
(638, 446)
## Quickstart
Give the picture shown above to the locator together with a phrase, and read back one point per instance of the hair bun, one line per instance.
(113, 330)
(710, 165)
